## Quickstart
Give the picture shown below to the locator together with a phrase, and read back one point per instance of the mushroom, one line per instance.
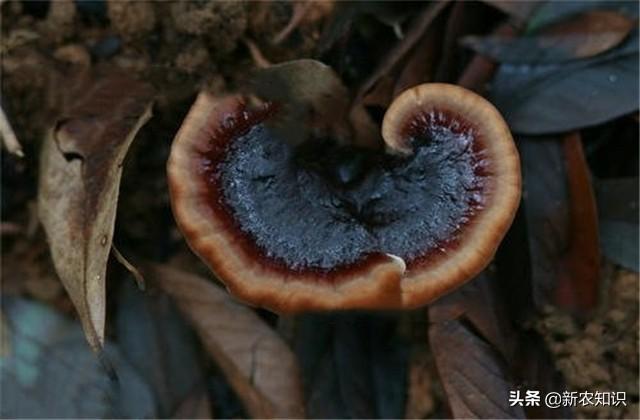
(323, 226)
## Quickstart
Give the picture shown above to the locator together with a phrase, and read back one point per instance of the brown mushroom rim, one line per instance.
(321, 226)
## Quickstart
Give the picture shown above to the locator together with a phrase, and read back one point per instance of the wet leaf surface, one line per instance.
(581, 36)
(257, 363)
(538, 99)
(80, 168)
(50, 372)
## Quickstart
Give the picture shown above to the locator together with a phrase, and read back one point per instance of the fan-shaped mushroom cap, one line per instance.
(321, 226)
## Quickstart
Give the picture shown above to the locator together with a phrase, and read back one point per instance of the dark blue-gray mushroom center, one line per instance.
(320, 206)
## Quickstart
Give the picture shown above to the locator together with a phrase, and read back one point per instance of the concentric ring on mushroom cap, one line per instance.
(377, 279)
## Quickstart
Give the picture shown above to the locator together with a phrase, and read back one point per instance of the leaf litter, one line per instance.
(357, 364)
(81, 164)
(258, 364)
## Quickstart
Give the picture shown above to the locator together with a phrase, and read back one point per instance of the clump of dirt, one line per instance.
(60, 22)
(131, 19)
(222, 24)
(602, 353)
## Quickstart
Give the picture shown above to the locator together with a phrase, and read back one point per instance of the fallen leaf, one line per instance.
(80, 169)
(561, 223)
(547, 213)
(550, 12)
(474, 375)
(481, 69)
(479, 350)
(479, 304)
(256, 361)
(578, 282)
(539, 99)
(354, 365)
(161, 347)
(316, 100)
(314, 103)
(581, 36)
(520, 10)
(617, 200)
(50, 372)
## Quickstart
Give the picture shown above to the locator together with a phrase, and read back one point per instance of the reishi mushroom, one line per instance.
(322, 226)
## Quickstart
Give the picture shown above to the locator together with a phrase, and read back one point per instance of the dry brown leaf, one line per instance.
(256, 361)
(590, 33)
(579, 273)
(80, 170)
(315, 102)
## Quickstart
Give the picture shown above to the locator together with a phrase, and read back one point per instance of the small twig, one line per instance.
(9, 138)
(134, 271)
(259, 59)
(300, 9)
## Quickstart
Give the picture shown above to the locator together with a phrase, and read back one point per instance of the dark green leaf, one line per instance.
(554, 98)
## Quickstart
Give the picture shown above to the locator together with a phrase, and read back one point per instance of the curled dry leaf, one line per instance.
(311, 111)
(257, 362)
(303, 86)
(80, 170)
